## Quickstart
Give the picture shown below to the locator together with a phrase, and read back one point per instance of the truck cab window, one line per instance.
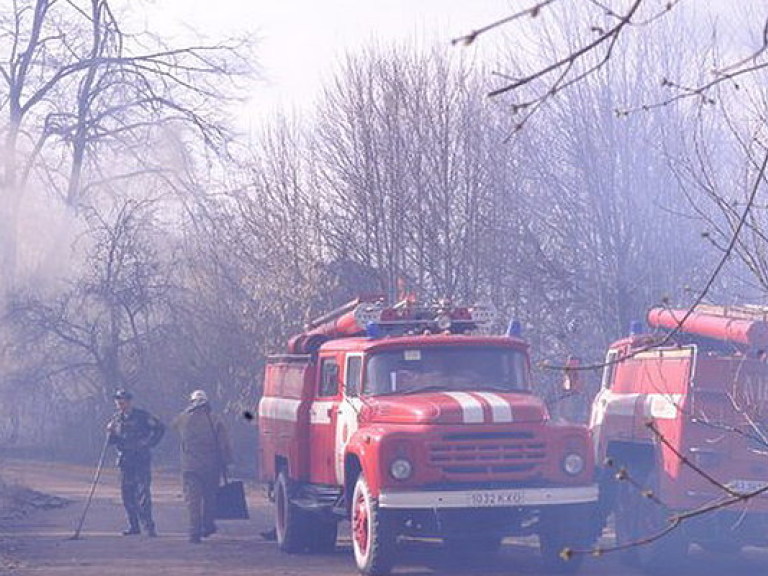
(609, 369)
(329, 377)
(447, 368)
(352, 379)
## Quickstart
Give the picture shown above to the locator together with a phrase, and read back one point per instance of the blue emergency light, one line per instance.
(515, 329)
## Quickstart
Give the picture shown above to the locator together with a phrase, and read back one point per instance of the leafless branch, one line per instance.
(668, 337)
(532, 12)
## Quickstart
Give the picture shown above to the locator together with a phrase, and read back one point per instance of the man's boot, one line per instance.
(269, 535)
(132, 530)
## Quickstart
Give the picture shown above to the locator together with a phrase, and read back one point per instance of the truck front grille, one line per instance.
(488, 455)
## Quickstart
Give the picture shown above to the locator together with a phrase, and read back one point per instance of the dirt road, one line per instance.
(38, 543)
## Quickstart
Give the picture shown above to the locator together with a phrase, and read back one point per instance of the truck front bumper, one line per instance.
(497, 498)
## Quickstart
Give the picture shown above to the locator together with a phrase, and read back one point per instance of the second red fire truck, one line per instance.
(413, 421)
(681, 424)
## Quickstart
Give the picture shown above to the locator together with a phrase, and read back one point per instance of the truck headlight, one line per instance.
(573, 464)
(443, 322)
(401, 469)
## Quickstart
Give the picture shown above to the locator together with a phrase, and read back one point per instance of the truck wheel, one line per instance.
(290, 521)
(638, 518)
(372, 539)
(563, 529)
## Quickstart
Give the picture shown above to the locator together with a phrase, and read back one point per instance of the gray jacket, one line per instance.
(204, 441)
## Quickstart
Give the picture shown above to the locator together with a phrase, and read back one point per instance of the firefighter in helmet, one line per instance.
(205, 455)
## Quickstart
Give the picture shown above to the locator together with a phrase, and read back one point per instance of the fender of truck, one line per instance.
(364, 448)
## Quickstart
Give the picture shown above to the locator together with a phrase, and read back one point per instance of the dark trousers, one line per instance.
(200, 495)
(135, 482)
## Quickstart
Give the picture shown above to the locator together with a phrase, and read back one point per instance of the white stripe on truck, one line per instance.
(471, 408)
(320, 411)
(279, 408)
(501, 410)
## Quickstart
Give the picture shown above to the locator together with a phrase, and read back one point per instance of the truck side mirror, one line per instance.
(572, 382)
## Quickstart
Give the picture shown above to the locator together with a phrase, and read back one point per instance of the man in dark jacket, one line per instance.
(205, 454)
(134, 432)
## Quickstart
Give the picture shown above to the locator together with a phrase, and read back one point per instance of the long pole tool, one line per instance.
(96, 476)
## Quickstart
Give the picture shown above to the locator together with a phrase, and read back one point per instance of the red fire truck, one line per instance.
(680, 422)
(412, 421)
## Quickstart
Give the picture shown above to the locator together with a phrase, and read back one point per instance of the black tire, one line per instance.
(373, 541)
(637, 518)
(322, 535)
(291, 523)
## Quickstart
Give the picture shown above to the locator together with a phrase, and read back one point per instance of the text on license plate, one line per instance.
(746, 486)
(497, 498)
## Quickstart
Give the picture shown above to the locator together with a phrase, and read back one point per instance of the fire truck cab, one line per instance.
(680, 425)
(413, 421)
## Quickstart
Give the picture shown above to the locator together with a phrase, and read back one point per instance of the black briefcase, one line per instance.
(230, 501)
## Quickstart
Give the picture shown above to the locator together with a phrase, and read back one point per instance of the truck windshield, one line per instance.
(412, 370)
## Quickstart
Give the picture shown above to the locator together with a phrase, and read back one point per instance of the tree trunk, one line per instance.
(10, 198)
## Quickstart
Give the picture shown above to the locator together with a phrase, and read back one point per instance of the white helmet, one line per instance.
(198, 397)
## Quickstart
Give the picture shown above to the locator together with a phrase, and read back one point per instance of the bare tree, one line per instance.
(608, 202)
(729, 205)
(98, 335)
(705, 77)
(602, 30)
(716, 175)
(81, 90)
(408, 171)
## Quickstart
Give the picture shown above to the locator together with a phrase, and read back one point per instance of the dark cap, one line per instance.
(122, 394)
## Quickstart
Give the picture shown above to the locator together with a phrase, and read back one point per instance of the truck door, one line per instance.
(349, 408)
(323, 415)
(600, 403)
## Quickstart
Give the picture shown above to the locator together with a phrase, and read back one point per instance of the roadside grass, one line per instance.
(17, 501)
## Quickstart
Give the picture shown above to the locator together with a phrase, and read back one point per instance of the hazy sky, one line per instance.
(302, 40)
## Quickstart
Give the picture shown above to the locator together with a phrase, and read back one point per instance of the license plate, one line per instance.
(746, 486)
(494, 498)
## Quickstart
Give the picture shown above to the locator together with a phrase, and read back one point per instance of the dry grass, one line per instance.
(15, 503)
(18, 501)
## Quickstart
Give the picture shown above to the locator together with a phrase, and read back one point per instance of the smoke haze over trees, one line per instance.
(145, 243)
